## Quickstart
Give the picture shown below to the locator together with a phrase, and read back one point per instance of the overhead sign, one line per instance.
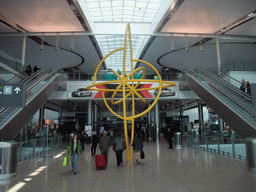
(12, 94)
(47, 121)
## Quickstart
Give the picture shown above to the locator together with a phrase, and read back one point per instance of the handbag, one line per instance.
(142, 154)
(124, 145)
(65, 161)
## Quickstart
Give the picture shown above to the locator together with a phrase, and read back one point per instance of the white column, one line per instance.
(23, 50)
(157, 121)
(218, 54)
(89, 113)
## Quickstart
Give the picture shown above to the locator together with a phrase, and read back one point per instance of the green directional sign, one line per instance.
(12, 94)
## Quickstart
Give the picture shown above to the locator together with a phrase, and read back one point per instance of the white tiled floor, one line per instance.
(177, 170)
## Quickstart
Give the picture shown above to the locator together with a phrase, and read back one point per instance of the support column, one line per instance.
(200, 114)
(218, 54)
(95, 118)
(157, 127)
(221, 124)
(41, 117)
(149, 124)
(23, 50)
(181, 111)
(89, 113)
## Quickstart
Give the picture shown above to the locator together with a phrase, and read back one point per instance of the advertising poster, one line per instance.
(78, 91)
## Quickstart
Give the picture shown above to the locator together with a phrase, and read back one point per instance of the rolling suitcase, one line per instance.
(100, 162)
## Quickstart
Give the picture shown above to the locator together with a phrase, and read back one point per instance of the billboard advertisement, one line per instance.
(78, 91)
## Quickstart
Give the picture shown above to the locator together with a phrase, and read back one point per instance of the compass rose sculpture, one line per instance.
(129, 87)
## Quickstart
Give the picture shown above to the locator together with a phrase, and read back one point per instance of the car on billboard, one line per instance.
(165, 92)
(81, 92)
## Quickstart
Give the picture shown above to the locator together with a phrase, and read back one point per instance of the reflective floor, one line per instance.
(163, 169)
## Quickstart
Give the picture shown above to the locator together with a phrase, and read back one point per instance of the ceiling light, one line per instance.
(57, 42)
(201, 45)
(72, 42)
(251, 14)
(172, 44)
(42, 43)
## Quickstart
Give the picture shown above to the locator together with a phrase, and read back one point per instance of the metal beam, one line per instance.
(195, 35)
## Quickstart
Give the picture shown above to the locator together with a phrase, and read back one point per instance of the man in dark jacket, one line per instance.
(95, 141)
(170, 138)
(119, 146)
(105, 143)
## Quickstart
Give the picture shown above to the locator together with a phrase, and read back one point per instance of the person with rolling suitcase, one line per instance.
(100, 161)
(105, 143)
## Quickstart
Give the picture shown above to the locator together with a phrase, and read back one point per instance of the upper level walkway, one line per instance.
(177, 170)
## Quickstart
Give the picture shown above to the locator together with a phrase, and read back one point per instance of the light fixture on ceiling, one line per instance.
(72, 42)
(57, 42)
(252, 14)
(201, 45)
(42, 43)
(186, 43)
(172, 44)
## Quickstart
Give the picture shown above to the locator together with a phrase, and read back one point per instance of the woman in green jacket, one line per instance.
(74, 149)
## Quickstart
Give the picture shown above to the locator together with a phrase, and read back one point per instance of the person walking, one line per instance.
(95, 141)
(118, 147)
(28, 70)
(83, 140)
(74, 150)
(137, 147)
(111, 134)
(243, 85)
(105, 143)
(248, 88)
(35, 69)
(170, 138)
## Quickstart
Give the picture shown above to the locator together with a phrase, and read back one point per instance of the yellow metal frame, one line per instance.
(132, 89)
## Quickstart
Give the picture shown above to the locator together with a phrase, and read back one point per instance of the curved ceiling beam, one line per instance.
(183, 48)
(38, 40)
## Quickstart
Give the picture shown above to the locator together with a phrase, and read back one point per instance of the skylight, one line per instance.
(120, 11)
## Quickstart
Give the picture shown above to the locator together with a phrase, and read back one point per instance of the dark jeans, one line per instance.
(93, 149)
(119, 156)
(105, 152)
(82, 144)
(170, 143)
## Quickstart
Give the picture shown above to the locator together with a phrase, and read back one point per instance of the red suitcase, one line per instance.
(100, 162)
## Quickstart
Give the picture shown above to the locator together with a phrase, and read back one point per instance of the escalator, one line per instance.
(231, 104)
(39, 87)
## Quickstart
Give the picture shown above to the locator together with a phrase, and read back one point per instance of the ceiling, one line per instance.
(165, 33)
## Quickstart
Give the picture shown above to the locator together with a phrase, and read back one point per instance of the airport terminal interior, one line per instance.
(129, 66)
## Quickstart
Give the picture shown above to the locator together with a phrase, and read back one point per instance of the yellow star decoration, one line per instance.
(128, 89)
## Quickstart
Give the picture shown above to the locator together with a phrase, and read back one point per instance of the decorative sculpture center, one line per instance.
(128, 89)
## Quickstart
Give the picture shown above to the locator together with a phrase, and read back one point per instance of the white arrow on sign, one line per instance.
(17, 89)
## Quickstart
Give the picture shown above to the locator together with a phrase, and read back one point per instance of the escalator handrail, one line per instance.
(28, 89)
(224, 74)
(248, 108)
(18, 75)
(229, 84)
(33, 75)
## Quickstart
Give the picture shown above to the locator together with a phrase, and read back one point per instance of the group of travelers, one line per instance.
(76, 147)
(245, 87)
(29, 69)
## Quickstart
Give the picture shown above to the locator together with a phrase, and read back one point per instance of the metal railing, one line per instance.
(238, 65)
(221, 145)
(106, 76)
(38, 147)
